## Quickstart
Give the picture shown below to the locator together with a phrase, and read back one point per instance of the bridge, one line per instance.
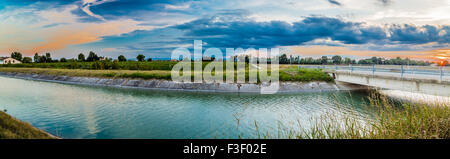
(417, 79)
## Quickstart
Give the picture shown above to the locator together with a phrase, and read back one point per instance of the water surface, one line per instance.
(74, 111)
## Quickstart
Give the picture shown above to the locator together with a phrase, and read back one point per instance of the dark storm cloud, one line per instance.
(410, 34)
(232, 29)
(278, 33)
(248, 33)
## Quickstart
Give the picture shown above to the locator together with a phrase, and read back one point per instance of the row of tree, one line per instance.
(92, 56)
(339, 60)
(46, 58)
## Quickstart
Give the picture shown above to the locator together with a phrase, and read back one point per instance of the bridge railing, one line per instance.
(402, 70)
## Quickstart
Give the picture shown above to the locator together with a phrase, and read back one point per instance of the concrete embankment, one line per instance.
(170, 85)
(418, 98)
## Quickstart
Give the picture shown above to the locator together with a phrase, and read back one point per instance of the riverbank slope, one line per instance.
(12, 128)
(165, 84)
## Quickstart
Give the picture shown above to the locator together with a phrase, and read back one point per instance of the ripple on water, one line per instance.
(73, 111)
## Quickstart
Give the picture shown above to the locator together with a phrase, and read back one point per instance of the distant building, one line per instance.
(9, 60)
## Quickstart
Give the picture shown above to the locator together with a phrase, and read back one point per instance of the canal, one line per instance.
(74, 111)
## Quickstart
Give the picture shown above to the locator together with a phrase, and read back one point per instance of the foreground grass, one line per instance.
(392, 121)
(285, 74)
(11, 128)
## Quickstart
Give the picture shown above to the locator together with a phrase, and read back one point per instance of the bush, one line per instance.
(304, 75)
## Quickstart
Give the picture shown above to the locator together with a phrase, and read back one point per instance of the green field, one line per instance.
(100, 65)
(146, 70)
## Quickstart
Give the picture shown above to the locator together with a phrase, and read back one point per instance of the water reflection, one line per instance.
(73, 111)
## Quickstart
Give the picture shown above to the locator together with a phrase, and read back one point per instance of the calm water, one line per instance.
(73, 111)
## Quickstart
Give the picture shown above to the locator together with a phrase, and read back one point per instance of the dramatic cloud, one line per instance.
(419, 35)
(234, 30)
(156, 27)
(88, 3)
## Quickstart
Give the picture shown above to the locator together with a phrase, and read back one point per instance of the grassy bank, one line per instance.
(157, 74)
(393, 120)
(100, 65)
(285, 73)
(11, 128)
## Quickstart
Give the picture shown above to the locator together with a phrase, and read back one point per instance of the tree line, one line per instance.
(92, 57)
(283, 59)
(339, 60)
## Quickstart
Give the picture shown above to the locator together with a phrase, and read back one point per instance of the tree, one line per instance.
(374, 60)
(336, 59)
(81, 57)
(27, 60)
(92, 57)
(48, 57)
(36, 57)
(42, 59)
(284, 59)
(140, 57)
(347, 60)
(16, 55)
(63, 60)
(121, 58)
(324, 60)
(149, 59)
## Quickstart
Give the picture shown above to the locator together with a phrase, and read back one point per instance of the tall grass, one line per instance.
(11, 128)
(393, 120)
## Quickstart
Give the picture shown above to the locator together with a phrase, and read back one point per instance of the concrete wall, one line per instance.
(170, 85)
(432, 87)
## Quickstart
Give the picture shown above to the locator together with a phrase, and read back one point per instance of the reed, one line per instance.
(393, 120)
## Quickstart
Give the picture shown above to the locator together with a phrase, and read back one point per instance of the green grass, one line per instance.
(304, 75)
(393, 120)
(147, 70)
(11, 128)
(157, 74)
(100, 65)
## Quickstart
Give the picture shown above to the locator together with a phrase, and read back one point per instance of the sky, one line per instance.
(351, 28)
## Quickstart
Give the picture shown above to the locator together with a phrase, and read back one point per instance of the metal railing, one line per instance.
(439, 71)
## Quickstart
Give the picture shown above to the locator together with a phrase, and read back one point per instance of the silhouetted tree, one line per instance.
(92, 57)
(48, 57)
(283, 59)
(140, 57)
(36, 57)
(16, 55)
(121, 58)
(324, 60)
(27, 60)
(81, 57)
(336, 59)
